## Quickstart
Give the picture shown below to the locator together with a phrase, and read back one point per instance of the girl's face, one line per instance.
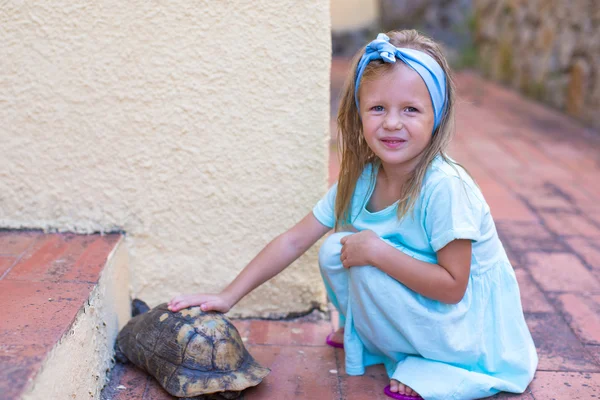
(397, 116)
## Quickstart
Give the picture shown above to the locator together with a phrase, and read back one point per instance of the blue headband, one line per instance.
(431, 72)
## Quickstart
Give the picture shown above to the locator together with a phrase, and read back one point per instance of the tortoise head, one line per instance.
(138, 307)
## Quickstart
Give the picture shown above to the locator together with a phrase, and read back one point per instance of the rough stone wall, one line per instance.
(548, 49)
(445, 20)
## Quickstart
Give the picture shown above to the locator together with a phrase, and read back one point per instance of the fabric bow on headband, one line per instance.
(429, 70)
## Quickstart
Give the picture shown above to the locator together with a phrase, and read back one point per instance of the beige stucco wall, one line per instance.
(198, 128)
(349, 15)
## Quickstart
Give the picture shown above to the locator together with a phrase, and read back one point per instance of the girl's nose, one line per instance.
(392, 123)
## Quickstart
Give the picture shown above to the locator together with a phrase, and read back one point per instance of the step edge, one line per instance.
(71, 369)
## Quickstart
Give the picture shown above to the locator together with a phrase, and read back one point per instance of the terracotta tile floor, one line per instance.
(540, 172)
(44, 281)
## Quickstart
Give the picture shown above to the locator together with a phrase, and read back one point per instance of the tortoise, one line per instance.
(191, 353)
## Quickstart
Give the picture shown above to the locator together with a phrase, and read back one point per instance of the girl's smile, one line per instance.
(397, 116)
(392, 142)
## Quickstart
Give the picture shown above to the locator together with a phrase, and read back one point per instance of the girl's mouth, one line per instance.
(393, 143)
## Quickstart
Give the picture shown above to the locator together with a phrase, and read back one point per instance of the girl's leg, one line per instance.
(335, 276)
(377, 318)
(418, 335)
(342, 283)
(379, 305)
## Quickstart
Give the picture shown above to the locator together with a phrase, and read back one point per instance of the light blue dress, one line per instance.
(468, 350)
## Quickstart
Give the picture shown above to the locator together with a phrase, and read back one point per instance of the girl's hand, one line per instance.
(358, 248)
(207, 302)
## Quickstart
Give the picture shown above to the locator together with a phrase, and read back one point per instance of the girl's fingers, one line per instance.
(179, 305)
(213, 306)
(176, 300)
(180, 302)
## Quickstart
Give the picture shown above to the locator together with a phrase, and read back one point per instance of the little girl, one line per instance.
(415, 268)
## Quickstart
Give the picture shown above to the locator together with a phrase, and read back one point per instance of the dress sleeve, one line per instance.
(324, 211)
(454, 211)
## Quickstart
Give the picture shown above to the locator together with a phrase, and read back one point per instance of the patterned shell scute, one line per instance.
(227, 349)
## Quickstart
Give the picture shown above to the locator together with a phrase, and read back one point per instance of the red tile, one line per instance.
(16, 242)
(513, 396)
(583, 315)
(570, 224)
(561, 272)
(5, 263)
(126, 383)
(595, 351)
(553, 172)
(364, 387)
(532, 299)
(155, 392)
(549, 201)
(569, 156)
(91, 262)
(523, 245)
(64, 257)
(39, 312)
(526, 230)
(588, 249)
(558, 348)
(521, 238)
(19, 364)
(283, 333)
(49, 254)
(496, 158)
(504, 205)
(566, 385)
(296, 373)
(528, 155)
(589, 184)
(577, 194)
(513, 258)
(595, 214)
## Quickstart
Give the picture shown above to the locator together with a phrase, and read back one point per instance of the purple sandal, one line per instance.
(399, 396)
(330, 342)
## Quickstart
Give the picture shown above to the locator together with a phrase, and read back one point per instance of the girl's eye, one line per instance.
(377, 108)
(410, 109)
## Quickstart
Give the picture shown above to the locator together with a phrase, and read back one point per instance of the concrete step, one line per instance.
(63, 298)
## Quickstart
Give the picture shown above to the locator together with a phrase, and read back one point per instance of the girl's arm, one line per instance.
(271, 260)
(445, 281)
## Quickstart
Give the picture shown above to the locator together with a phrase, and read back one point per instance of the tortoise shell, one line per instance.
(190, 352)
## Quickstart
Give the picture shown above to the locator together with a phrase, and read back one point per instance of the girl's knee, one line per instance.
(368, 276)
(363, 273)
(329, 254)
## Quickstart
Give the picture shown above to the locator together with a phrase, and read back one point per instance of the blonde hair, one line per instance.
(355, 152)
